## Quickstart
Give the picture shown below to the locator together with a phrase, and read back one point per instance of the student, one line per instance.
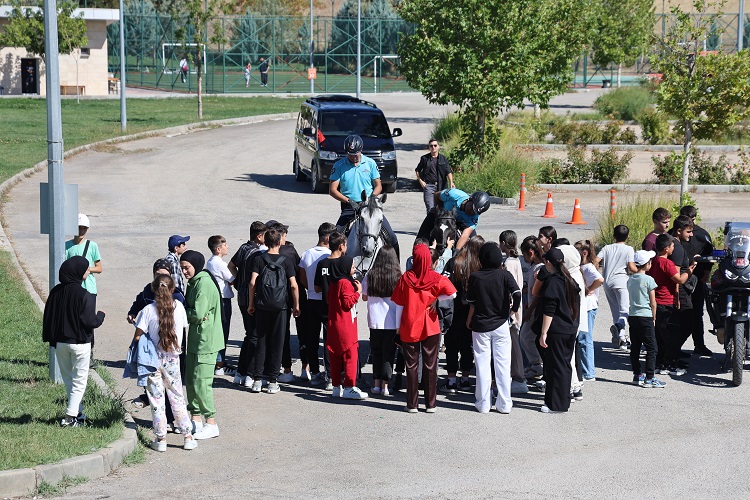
(681, 323)
(219, 248)
(270, 309)
(79, 245)
(377, 288)
(342, 343)
(617, 261)
(547, 234)
(205, 339)
(165, 323)
(176, 247)
(661, 219)
(592, 280)
(312, 313)
(492, 294)
(508, 244)
(70, 317)
(559, 303)
(642, 318)
(417, 292)
(530, 250)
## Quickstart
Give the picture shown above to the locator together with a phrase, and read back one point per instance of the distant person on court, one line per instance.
(433, 173)
(84, 247)
(183, 70)
(263, 68)
(247, 75)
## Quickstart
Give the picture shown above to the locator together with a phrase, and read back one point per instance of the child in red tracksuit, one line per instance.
(342, 342)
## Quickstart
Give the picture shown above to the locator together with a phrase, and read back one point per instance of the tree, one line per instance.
(487, 55)
(622, 31)
(707, 92)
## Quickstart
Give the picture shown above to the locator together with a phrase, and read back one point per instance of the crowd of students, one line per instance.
(516, 317)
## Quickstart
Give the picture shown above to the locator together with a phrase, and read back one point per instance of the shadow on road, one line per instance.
(282, 182)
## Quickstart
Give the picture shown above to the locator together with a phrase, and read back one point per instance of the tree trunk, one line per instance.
(78, 88)
(619, 73)
(481, 119)
(537, 111)
(686, 163)
(199, 67)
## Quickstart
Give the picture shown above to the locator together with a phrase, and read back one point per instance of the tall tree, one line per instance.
(707, 92)
(486, 55)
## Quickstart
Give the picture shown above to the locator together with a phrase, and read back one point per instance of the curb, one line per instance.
(20, 482)
(653, 188)
(634, 147)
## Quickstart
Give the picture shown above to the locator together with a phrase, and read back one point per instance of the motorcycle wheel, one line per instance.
(738, 354)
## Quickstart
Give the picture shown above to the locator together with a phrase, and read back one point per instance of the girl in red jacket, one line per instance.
(342, 341)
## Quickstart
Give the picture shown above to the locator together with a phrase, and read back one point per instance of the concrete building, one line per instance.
(22, 73)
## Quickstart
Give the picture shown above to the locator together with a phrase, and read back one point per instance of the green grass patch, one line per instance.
(23, 127)
(135, 457)
(499, 175)
(625, 103)
(31, 406)
(52, 490)
(636, 214)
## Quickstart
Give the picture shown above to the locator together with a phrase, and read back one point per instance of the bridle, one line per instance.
(363, 235)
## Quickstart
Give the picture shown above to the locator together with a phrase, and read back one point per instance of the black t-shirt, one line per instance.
(682, 260)
(553, 302)
(259, 264)
(323, 276)
(290, 253)
(491, 292)
(430, 174)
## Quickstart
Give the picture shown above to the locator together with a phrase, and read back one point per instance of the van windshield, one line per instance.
(363, 123)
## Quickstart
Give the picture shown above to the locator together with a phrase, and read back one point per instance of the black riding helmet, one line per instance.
(481, 202)
(353, 145)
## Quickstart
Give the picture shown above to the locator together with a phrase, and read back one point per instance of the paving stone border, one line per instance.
(660, 188)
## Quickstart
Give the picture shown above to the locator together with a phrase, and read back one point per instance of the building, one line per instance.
(22, 73)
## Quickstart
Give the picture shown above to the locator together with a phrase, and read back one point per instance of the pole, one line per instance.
(312, 47)
(663, 21)
(123, 107)
(55, 176)
(359, 48)
(741, 26)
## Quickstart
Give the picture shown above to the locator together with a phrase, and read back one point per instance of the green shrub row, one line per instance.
(703, 168)
(569, 132)
(625, 103)
(604, 167)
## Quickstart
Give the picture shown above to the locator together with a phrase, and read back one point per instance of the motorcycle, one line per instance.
(728, 303)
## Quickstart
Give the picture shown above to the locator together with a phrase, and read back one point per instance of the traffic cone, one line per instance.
(549, 212)
(612, 203)
(522, 194)
(577, 219)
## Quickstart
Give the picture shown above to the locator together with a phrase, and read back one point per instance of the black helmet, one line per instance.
(353, 145)
(481, 201)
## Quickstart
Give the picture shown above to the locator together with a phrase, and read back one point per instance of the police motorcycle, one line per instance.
(728, 300)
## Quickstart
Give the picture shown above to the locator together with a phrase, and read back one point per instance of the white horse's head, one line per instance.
(371, 221)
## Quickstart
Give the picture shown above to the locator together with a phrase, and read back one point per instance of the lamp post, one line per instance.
(312, 49)
(359, 48)
(123, 108)
(741, 26)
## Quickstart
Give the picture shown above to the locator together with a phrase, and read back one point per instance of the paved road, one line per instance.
(686, 441)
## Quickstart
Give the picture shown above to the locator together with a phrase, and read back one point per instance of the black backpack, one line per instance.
(271, 285)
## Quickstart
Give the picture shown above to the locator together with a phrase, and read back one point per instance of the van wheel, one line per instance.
(298, 175)
(315, 184)
(390, 188)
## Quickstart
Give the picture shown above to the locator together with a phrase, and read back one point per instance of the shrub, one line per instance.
(703, 170)
(668, 169)
(564, 132)
(604, 167)
(632, 212)
(447, 127)
(589, 133)
(654, 126)
(740, 173)
(607, 167)
(610, 132)
(627, 136)
(499, 175)
(624, 103)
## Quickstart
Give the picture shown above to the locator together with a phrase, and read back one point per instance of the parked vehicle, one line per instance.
(323, 124)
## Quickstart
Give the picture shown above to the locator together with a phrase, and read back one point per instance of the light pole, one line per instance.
(359, 48)
(123, 109)
(741, 26)
(312, 49)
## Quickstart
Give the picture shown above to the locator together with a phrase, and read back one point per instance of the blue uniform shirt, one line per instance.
(453, 198)
(355, 179)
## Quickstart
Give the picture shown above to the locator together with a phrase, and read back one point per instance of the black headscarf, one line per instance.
(72, 270)
(196, 259)
(341, 268)
(490, 256)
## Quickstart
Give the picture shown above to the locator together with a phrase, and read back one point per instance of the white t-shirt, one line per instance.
(590, 274)
(381, 311)
(309, 263)
(148, 322)
(615, 268)
(223, 276)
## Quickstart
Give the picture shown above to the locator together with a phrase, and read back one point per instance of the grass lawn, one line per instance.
(23, 122)
(31, 406)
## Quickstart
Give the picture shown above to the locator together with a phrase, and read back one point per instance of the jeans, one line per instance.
(73, 360)
(429, 196)
(270, 326)
(642, 333)
(226, 305)
(586, 340)
(492, 346)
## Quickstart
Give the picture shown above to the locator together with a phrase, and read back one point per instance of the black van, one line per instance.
(323, 124)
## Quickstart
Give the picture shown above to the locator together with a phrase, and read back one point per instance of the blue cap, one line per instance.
(176, 240)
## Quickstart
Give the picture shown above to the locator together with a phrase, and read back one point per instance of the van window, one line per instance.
(305, 115)
(365, 123)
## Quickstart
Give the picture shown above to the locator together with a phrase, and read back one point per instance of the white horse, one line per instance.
(366, 236)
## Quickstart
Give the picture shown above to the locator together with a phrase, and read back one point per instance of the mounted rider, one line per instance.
(351, 176)
(467, 207)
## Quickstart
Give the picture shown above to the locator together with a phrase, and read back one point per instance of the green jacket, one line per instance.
(202, 300)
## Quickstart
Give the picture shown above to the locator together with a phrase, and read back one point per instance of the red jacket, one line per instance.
(342, 316)
(418, 320)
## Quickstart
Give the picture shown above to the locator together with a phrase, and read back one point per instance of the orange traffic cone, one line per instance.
(522, 194)
(549, 212)
(577, 219)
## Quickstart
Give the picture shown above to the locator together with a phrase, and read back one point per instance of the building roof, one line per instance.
(111, 16)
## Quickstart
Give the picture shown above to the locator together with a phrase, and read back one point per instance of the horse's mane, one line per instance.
(372, 205)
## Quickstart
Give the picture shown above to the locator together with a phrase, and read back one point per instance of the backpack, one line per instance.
(247, 252)
(271, 285)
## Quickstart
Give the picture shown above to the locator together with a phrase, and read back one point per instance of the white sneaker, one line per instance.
(336, 391)
(238, 379)
(248, 382)
(353, 393)
(197, 426)
(305, 375)
(209, 431)
(385, 392)
(518, 387)
(190, 444)
(219, 372)
(286, 378)
(257, 386)
(160, 446)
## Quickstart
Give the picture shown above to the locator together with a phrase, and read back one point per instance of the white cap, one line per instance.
(641, 257)
(83, 220)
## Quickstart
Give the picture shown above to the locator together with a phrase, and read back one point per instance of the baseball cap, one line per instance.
(273, 222)
(162, 264)
(642, 256)
(83, 220)
(176, 240)
(554, 255)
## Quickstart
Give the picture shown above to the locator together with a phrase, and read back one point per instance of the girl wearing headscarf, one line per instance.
(493, 293)
(205, 339)
(417, 292)
(342, 342)
(70, 318)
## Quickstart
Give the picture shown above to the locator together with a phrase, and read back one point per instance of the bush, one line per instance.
(703, 170)
(607, 167)
(499, 175)
(627, 136)
(564, 132)
(624, 103)
(654, 126)
(668, 169)
(589, 133)
(632, 212)
(611, 132)
(740, 173)
(604, 167)
(447, 127)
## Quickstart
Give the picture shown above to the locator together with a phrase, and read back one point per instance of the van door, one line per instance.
(307, 145)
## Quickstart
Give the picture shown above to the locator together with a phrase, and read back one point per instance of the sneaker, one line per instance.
(329, 385)
(592, 379)
(624, 346)
(375, 390)
(615, 335)
(385, 392)
(464, 385)
(197, 426)
(353, 393)
(140, 402)
(638, 379)
(540, 385)
(238, 379)
(519, 387)
(160, 446)
(448, 388)
(654, 383)
(70, 422)
(257, 386)
(578, 395)
(305, 375)
(286, 378)
(209, 431)
(702, 351)
(81, 418)
(273, 387)
(676, 371)
(230, 370)
(248, 382)
(318, 379)
(336, 391)
(432, 409)
(411, 410)
(545, 409)
(662, 370)
(534, 371)
(219, 371)
(190, 444)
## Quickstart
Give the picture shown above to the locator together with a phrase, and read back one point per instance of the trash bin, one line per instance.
(606, 83)
(1, 89)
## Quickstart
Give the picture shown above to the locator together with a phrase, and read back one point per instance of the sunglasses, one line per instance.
(433, 145)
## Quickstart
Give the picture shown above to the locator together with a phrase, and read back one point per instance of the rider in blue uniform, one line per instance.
(351, 176)
(468, 208)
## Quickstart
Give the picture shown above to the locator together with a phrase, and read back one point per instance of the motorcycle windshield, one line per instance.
(737, 242)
